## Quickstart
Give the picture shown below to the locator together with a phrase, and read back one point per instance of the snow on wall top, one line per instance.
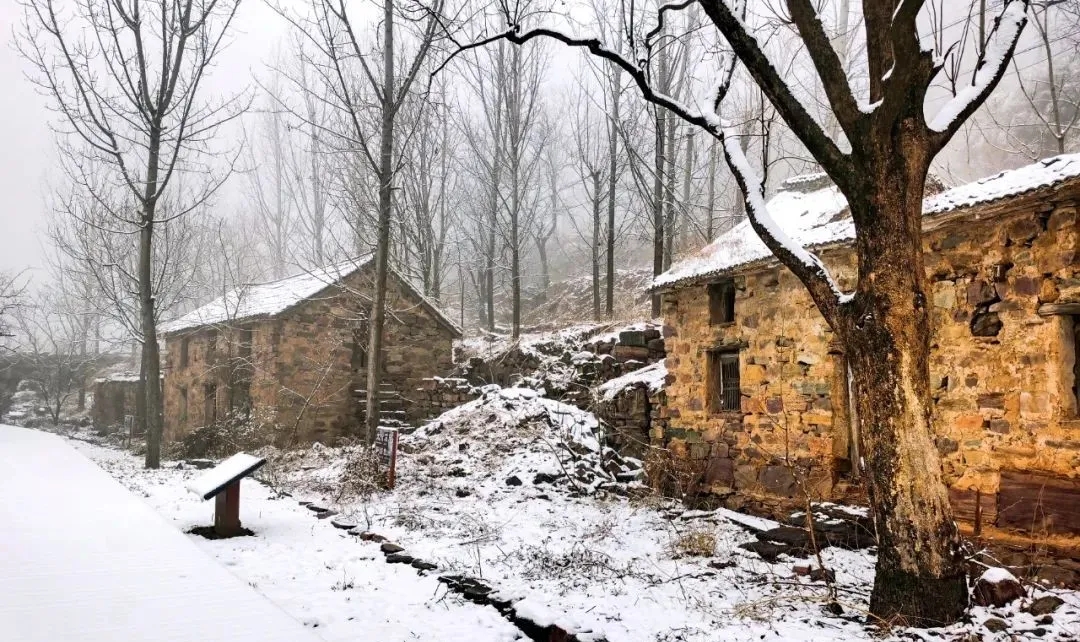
(265, 299)
(652, 377)
(810, 211)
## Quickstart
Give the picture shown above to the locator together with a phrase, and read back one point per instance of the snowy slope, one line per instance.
(84, 559)
(815, 218)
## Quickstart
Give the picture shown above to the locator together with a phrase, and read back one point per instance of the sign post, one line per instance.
(386, 445)
(223, 484)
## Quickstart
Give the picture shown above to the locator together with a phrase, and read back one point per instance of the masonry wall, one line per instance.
(1005, 415)
(305, 375)
(113, 399)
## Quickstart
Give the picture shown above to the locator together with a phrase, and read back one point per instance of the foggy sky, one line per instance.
(28, 162)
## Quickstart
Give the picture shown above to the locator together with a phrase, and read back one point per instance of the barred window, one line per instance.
(724, 392)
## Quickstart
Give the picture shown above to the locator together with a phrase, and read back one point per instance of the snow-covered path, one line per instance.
(84, 559)
(335, 584)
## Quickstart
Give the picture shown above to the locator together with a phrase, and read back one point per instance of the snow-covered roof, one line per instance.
(813, 213)
(265, 300)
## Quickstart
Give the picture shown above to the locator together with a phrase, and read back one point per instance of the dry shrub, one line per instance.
(672, 475)
(226, 437)
(363, 475)
(695, 543)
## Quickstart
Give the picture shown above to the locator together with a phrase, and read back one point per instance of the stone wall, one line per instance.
(436, 395)
(306, 372)
(1002, 373)
(635, 419)
(113, 399)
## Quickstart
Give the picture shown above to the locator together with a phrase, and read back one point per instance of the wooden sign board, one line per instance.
(386, 446)
(223, 482)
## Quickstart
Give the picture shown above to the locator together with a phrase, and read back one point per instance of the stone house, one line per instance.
(757, 387)
(292, 354)
(114, 397)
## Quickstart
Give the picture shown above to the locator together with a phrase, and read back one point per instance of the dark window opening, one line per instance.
(184, 344)
(725, 395)
(211, 343)
(183, 406)
(722, 302)
(210, 404)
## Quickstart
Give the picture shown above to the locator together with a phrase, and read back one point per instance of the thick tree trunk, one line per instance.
(151, 358)
(147, 315)
(670, 215)
(920, 579)
(140, 394)
(382, 247)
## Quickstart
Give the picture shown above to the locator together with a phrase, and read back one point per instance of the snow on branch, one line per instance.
(988, 71)
(805, 264)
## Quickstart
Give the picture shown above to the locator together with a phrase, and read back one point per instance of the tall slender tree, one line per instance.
(126, 80)
(368, 104)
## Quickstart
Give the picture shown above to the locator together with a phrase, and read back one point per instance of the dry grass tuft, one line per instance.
(695, 543)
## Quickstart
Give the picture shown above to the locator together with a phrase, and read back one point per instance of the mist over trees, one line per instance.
(519, 168)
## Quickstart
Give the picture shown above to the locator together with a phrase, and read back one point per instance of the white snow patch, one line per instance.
(997, 575)
(652, 376)
(600, 565)
(84, 559)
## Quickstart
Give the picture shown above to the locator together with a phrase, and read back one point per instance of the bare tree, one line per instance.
(424, 224)
(368, 105)
(547, 220)
(883, 325)
(591, 163)
(52, 330)
(12, 289)
(1054, 95)
(125, 77)
(270, 154)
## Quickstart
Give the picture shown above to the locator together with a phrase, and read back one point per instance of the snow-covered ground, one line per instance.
(83, 559)
(597, 563)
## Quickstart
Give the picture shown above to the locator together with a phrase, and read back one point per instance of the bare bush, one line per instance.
(671, 474)
(363, 475)
(224, 438)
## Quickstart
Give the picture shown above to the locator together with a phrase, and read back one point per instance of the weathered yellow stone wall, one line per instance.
(1003, 403)
(302, 374)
